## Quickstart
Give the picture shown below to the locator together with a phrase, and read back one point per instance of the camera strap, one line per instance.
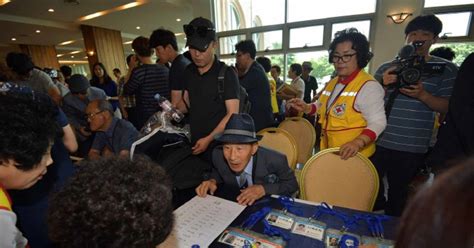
(391, 100)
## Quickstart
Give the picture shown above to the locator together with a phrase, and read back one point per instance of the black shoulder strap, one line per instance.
(184, 101)
(220, 81)
(390, 101)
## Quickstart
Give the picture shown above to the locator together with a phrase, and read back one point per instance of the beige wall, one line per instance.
(389, 37)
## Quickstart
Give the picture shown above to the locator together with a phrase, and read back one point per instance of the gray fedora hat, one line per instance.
(240, 129)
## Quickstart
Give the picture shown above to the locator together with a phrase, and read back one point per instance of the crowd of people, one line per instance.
(113, 200)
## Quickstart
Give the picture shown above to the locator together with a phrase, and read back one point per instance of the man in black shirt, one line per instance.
(310, 83)
(166, 48)
(208, 114)
(253, 78)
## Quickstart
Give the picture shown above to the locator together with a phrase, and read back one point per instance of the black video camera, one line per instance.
(412, 67)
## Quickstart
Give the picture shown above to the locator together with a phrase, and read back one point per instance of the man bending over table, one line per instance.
(241, 164)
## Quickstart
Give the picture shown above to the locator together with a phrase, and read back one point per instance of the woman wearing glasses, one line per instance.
(351, 107)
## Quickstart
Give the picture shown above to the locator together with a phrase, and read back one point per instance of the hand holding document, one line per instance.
(286, 91)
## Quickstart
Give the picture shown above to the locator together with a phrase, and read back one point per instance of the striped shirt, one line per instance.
(145, 81)
(410, 124)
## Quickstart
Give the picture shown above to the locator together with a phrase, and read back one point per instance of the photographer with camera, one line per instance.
(417, 86)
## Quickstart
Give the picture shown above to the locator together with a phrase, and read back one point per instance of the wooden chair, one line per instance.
(281, 141)
(304, 134)
(351, 183)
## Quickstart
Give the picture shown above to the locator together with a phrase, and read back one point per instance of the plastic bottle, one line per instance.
(167, 107)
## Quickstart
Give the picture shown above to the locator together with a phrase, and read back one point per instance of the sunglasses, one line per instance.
(202, 31)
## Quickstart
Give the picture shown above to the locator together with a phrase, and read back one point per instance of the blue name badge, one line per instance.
(236, 237)
(280, 219)
(310, 228)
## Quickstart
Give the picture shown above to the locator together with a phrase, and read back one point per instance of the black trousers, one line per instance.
(400, 169)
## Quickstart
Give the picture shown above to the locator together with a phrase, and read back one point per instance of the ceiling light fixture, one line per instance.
(178, 19)
(51, 10)
(13, 39)
(72, 56)
(38, 31)
(128, 42)
(3, 2)
(66, 42)
(90, 53)
(75, 52)
(399, 18)
(59, 55)
(138, 27)
(108, 11)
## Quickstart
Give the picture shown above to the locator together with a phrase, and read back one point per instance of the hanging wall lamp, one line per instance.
(399, 18)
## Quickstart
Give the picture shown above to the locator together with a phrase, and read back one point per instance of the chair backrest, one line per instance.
(304, 134)
(281, 141)
(351, 183)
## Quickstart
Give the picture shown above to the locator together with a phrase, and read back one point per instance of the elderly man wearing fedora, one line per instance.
(241, 164)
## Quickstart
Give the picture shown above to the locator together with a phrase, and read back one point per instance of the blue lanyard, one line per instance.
(255, 217)
(374, 222)
(289, 205)
(272, 231)
(350, 222)
(322, 209)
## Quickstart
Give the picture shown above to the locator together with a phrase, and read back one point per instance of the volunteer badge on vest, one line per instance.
(339, 110)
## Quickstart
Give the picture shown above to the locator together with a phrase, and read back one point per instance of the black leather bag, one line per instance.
(185, 169)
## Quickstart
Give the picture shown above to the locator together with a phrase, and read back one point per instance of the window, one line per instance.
(229, 61)
(455, 24)
(302, 10)
(322, 69)
(239, 14)
(461, 50)
(227, 44)
(266, 41)
(307, 36)
(438, 3)
(362, 26)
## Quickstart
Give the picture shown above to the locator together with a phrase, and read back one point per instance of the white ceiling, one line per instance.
(21, 18)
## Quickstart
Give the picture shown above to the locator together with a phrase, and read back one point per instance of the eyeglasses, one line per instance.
(345, 58)
(90, 116)
(190, 30)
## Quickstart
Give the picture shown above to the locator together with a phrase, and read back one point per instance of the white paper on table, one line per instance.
(200, 220)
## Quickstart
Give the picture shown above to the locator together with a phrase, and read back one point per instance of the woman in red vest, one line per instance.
(351, 106)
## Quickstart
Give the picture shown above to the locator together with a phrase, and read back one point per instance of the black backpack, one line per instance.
(244, 102)
(173, 152)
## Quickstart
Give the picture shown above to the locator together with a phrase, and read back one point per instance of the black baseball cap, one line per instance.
(200, 32)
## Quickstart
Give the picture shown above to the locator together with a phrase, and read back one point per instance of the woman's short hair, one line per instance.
(359, 43)
(28, 125)
(297, 69)
(141, 46)
(265, 62)
(441, 215)
(113, 202)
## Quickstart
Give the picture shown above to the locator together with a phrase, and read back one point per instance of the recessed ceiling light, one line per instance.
(138, 27)
(51, 10)
(13, 39)
(72, 56)
(66, 42)
(38, 31)
(178, 20)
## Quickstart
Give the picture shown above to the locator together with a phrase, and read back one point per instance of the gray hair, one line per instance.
(104, 105)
